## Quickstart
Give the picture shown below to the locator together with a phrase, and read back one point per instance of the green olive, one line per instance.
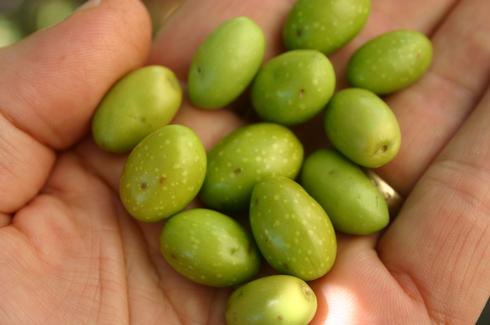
(293, 87)
(245, 157)
(324, 25)
(137, 105)
(163, 173)
(351, 200)
(272, 300)
(363, 127)
(292, 230)
(390, 62)
(210, 248)
(225, 63)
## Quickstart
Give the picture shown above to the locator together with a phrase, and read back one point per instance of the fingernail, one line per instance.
(89, 5)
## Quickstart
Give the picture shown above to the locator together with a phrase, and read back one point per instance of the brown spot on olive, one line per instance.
(162, 179)
(237, 171)
(279, 317)
(382, 149)
(306, 291)
(299, 32)
(143, 186)
(302, 93)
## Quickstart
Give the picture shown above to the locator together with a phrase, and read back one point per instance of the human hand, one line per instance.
(70, 254)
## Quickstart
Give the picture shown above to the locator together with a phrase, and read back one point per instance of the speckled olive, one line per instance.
(243, 158)
(363, 127)
(135, 106)
(390, 62)
(352, 201)
(324, 25)
(292, 230)
(293, 87)
(163, 173)
(225, 63)
(272, 300)
(210, 248)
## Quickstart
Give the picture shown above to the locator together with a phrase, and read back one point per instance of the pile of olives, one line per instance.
(253, 169)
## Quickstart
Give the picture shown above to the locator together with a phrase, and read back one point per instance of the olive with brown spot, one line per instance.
(363, 127)
(163, 173)
(324, 25)
(293, 87)
(243, 158)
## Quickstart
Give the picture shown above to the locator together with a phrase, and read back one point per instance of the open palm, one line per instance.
(70, 254)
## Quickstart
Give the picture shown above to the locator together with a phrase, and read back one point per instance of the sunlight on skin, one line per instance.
(342, 306)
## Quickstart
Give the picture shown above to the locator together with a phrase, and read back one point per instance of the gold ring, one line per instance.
(393, 199)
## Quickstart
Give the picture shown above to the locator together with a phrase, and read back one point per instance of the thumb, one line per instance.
(51, 83)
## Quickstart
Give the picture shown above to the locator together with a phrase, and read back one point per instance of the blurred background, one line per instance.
(19, 18)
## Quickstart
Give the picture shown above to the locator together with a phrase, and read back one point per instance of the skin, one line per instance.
(70, 252)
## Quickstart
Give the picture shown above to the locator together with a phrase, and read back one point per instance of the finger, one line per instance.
(73, 241)
(175, 44)
(144, 291)
(4, 219)
(51, 83)
(24, 166)
(53, 80)
(432, 110)
(439, 246)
